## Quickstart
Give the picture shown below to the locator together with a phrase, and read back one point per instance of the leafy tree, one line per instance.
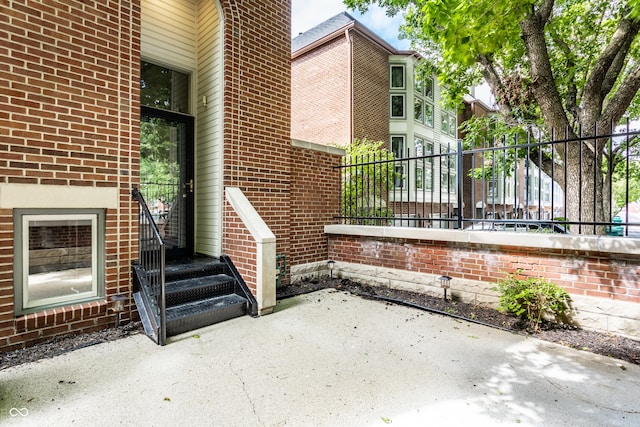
(159, 168)
(366, 184)
(624, 185)
(569, 67)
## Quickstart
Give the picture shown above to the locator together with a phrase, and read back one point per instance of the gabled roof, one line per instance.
(322, 30)
(334, 27)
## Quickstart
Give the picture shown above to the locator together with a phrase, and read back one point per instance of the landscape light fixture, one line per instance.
(331, 264)
(445, 284)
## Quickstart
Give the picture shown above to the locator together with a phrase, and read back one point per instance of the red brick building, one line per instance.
(86, 87)
(348, 83)
(340, 83)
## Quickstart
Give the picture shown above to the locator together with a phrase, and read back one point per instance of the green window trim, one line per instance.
(397, 106)
(396, 76)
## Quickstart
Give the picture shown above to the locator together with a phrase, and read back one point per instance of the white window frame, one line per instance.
(428, 94)
(444, 123)
(425, 97)
(453, 125)
(23, 218)
(448, 170)
(428, 118)
(423, 165)
(403, 150)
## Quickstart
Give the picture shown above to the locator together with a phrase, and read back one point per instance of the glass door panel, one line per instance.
(166, 176)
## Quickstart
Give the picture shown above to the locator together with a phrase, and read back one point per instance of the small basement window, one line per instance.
(59, 257)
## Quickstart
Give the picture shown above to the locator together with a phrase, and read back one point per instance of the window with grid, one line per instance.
(400, 151)
(448, 169)
(448, 123)
(423, 163)
(423, 97)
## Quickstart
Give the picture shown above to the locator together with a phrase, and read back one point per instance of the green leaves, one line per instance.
(365, 186)
(532, 299)
(461, 37)
(465, 29)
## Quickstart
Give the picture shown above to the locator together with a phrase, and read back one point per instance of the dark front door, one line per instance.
(166, 176)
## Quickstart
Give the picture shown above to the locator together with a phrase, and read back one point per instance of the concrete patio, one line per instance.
(326, 359)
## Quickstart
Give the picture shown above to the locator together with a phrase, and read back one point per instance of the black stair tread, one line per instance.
(197, 282)
(192, 267)
(209, 304)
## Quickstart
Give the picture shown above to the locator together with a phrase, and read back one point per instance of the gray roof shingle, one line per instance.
(321, 30)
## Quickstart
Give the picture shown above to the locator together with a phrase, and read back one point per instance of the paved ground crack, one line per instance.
(244, 387)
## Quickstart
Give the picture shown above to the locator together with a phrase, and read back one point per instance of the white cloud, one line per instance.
(305, 14)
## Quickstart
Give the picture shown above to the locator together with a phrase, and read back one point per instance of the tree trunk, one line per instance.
(583, 159)
(584, 189)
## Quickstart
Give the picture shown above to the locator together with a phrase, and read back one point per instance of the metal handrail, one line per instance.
(152, 259)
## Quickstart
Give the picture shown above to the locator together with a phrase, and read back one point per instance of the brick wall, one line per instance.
(69, 108)
(257, 118)
(314, 203)
(61, 93)
(596, 274)
(320, 94)
(371, 90)
(604, 283)
(7, 326)
(68, 117)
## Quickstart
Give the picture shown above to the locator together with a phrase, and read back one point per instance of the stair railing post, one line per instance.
(152, 260)
(163, 299)
(460, 185)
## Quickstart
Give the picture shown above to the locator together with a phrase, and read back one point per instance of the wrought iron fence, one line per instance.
(583, 185)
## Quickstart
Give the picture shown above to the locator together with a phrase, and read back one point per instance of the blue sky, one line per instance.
(306, 14)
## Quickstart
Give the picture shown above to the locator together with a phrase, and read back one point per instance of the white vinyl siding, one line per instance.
(209, 132)
(186, 35)
(169, 33)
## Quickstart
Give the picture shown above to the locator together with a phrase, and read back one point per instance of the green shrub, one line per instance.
(368, 176)
(533, 299)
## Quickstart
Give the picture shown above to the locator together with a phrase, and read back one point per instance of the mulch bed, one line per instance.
(66, 343)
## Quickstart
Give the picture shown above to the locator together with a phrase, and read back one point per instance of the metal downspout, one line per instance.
(350, 98)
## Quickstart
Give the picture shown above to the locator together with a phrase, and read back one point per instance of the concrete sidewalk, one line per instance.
(326, 359)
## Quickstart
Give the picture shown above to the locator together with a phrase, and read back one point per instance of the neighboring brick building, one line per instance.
(348, 83)
(501, 197)
(75, 128)
(339, 83)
